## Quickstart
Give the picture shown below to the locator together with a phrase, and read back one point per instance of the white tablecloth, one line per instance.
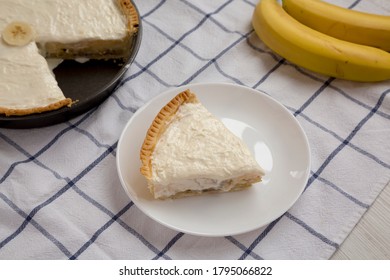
(60, 196)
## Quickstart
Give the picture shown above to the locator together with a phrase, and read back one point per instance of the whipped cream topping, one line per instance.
(66, 21)
(25, 79)
(199, 152)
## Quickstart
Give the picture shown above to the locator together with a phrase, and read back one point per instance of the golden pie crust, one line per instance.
(131, 14)
(158, 127)
(28, 111)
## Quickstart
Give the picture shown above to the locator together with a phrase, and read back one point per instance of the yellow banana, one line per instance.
(345, 24)
(316, 51)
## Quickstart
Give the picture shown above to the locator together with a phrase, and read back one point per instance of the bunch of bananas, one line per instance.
(325, 38)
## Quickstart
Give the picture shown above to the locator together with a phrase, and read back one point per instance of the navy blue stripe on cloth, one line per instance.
(120, 222)
(344, 193)
(100, 231)
(154, 76)
(230, 77)
(259, 238)
(193, 76)
(221, 26)
(314, 96)
(120, 104)
(166, 35)
(309, 229)
(69, 185)
(56, 242)
(171, 47)
(243, 248)
(354, 4)
(339, 138)
(169, 245)
(29, 219)
(29, 159)
(273, 69)
(349, 138)
(90, 137)
(212, 61)
(82, 194)
(46, 147)
(153, 9)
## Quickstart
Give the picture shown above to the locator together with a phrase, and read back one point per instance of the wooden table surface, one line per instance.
(370, 239)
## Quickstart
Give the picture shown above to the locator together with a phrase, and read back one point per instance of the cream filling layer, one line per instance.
(25, 78)
(197, 152)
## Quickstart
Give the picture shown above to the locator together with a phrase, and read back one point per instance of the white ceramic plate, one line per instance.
(274, 136)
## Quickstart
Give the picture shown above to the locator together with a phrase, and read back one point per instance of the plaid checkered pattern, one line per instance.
(60, 196)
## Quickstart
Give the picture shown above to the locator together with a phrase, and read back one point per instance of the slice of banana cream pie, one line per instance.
(188, 151)
(26, 83)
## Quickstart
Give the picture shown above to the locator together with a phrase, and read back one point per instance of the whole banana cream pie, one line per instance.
(187, 151)
(33, 30)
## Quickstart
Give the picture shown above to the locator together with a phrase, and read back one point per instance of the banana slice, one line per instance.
(18, 33)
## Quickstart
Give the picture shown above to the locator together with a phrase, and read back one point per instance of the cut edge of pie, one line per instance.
(35, 110)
